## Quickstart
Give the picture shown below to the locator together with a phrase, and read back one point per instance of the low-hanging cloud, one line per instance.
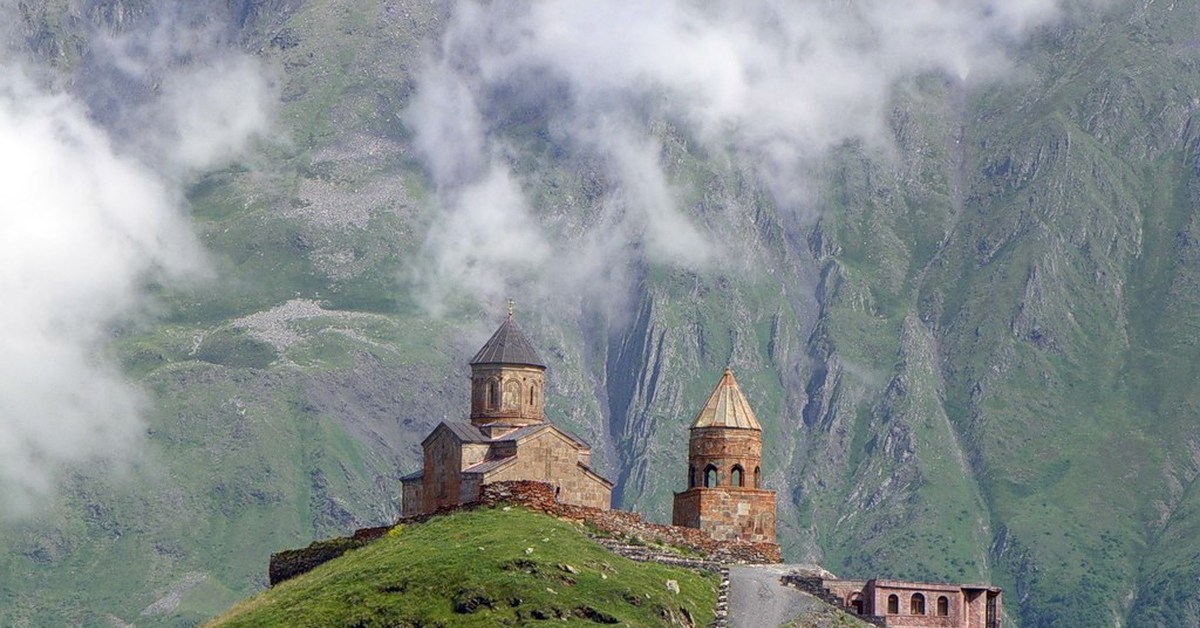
(87, 218)
(772, 84)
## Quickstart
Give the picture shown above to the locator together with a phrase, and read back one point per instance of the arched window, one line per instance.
(493, 394)
(917, 605)
(943, 607)
(757, 477)
(893, 604)
(691, 477)
(735, 476)
(710, 476)
(855, 603)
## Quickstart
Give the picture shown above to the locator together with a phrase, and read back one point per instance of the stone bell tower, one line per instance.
(507, 382)
(725, 495)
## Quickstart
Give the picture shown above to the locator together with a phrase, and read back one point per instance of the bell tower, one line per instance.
(725, 496)
(507, 381)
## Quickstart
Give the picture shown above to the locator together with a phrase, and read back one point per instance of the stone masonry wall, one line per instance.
(548, 457)
(728, 513)
(540, 496)
(537, 496)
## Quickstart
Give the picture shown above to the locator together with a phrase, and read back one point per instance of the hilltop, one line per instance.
(483, 567)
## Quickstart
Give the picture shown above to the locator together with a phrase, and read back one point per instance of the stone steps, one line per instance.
(642, 553)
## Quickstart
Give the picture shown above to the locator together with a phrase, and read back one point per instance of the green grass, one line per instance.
(481, 568)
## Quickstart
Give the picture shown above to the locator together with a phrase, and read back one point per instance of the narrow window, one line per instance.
(531, 393)
(893, 604)
(917, 606)
(710, 476)
(735, 476)
(943, 609)
(691, 477)
(493, 394)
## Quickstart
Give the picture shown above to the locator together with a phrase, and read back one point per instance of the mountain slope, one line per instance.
(973, 351)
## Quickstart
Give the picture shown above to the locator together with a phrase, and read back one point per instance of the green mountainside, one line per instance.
(486, 567)
(976, 359)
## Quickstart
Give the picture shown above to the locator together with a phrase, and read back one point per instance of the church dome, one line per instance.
(508, 346)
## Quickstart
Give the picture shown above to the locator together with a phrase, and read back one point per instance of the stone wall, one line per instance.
(550, 457)
(816, 586)
(727, 512)
(507, 393)
(410, 496)
(443, 471)
(538, 496)
(724, 448)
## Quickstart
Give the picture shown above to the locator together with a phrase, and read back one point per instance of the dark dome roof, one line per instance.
(508, 346)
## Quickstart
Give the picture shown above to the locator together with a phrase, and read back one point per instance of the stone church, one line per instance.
(725, 495)
(506, 438)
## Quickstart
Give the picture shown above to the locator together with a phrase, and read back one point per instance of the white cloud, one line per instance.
(80, 227)
(776, 83)
(87, 218)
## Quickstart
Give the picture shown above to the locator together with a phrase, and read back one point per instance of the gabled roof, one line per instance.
(530, 430)
(464, 432)
(727, 407)
(508, 346)
(415, 475)
(487, 466)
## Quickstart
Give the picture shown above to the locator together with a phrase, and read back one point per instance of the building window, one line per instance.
(943, 608)
(893, 604)
(710, 476)
(532, 392)
(691, 477)
(917, 605)
(757, 477)
(735, 476)
(493, 394)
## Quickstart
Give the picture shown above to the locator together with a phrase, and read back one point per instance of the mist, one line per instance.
(769, 84)
(91, 212)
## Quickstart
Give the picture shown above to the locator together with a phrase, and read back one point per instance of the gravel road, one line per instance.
(758, 600)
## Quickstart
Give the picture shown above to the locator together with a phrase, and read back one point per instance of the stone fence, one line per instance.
(537, 496)
(815, 586)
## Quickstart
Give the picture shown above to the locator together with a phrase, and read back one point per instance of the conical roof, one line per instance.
(727, 407)
(508, 346)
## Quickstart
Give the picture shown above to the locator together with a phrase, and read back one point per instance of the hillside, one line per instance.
(957, 277)
(485, 567)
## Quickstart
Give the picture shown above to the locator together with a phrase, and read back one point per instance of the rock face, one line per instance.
(974, 348)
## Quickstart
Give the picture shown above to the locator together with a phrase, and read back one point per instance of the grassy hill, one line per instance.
(487, 567)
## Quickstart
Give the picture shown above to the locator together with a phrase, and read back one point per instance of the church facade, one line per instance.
(506, 438)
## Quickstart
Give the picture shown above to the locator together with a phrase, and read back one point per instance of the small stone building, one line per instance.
(725, 496)
(507, 437)
(904, 604)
